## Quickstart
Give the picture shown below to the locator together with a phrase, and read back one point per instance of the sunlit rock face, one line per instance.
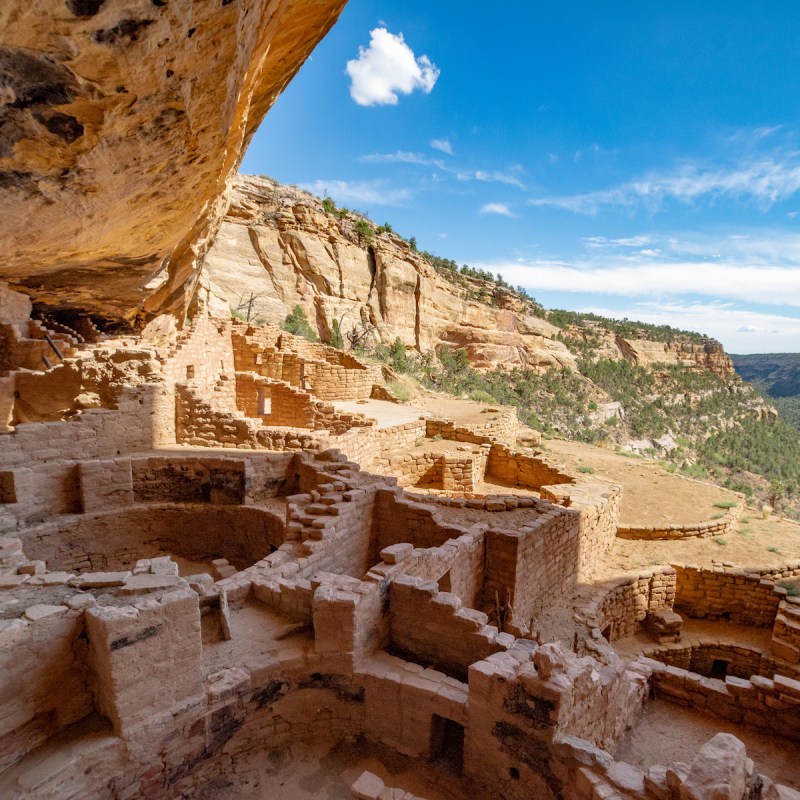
(279, 247)
(120, 124)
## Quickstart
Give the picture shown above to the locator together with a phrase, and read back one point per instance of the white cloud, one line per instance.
(443, 145)
(497, 208)
(764, 180)
(760, 267)
(373, 193)
(386, 68)
(508, 177)
(401, 157)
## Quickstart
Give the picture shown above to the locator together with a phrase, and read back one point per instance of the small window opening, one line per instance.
(719, 668)
(189, 372)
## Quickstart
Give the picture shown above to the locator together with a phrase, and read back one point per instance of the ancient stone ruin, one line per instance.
(221, 543)
(207, 554)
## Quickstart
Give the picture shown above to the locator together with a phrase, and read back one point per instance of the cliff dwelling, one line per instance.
(234, 565)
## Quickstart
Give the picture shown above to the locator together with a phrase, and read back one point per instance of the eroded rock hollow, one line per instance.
(120, 125)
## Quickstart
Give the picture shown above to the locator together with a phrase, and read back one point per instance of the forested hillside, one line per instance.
(777, 375)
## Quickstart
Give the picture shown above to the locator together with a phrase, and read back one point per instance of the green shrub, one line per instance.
(364, 231)
(297, 323)
(791, 589)
(398, 360)
(720, 540)
(726, 504)
(586, 470)
(336, 339)
(328, 205)
(481, 396)
(236, 314)
(399, 390)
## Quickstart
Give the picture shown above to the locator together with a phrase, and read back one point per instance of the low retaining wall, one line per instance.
(689, 530)
(727, 594)
(768, 705)
(742, 662)
(624, 604)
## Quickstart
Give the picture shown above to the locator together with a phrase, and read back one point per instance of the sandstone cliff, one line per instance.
(120, 124)
(279, 245)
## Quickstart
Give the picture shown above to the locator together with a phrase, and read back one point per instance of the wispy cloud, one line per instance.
(508, 177)
(764, 180)
(369, 193)
(388, 68)
(443, 145)
(497, 208)
(402, 157)
(762, 266)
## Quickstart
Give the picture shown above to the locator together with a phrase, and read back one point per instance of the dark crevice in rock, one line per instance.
(126, 29)
(62, 125)
(84, 8)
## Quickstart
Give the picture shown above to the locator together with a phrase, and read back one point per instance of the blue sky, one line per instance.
(636, 159)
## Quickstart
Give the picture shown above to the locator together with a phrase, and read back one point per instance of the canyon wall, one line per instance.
(280, 246)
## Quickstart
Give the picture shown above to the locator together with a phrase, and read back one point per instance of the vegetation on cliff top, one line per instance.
(776, 375)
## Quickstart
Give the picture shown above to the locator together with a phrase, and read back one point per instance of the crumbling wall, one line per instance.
(433, 628)
(46, 683)
(622, 605)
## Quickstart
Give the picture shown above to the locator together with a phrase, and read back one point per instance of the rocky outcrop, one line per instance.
(707, 355)
(278, 247)
(120, 124)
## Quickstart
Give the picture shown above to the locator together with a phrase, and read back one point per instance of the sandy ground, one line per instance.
(463, 412)
(665, 733)
(326, 772)
(254, 627)
(650, 495)
(754, 543)
(384, 413)
(699, 631)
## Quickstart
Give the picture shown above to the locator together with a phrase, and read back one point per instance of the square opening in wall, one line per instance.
(8, 489)
(447, 744)
(719, 669)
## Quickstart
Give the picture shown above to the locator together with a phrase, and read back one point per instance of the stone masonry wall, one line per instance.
(518, 469)
(625, 603)
(786, 631)
(765, 704)
(434, 628)
(45, 684)
(457, 566)
(742, 662)
(727, 594)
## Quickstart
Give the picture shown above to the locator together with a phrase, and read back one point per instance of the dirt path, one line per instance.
(650, 496)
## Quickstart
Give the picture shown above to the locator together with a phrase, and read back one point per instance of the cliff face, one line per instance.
(120, 124)
(707, 356)
(278, 246)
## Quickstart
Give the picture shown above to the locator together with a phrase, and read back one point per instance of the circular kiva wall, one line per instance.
(115, 540)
